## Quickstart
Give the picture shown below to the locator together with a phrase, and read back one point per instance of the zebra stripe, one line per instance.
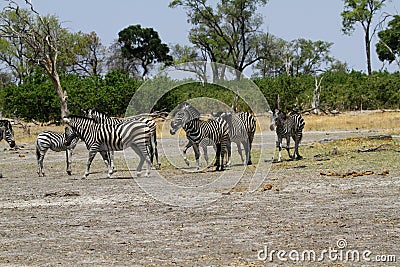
(250, 124)
(7, 132)
(103, 118)
(204, 143)
(288, 126)
(102, 138)
(56, 142)
(241, 131)
(188, 118)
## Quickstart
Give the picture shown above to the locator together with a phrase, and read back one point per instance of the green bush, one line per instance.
(36, 98)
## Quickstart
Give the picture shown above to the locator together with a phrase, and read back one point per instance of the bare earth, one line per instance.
(68, 221)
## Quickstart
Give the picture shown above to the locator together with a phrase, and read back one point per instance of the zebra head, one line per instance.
(6, 132)
(277, 119)
(183, 115)
(71, 130)
(70, 135)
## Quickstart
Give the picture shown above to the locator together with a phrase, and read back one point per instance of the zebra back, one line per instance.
(103, 118)
(56, 141)
(7, 132)
(111, 137)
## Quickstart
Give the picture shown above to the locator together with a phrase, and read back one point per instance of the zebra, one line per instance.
(287, 126)
(250, 124)
(188, 118)
(204, 143)
(7, 132)
(55, 141)
(103, 118)
(242, 127)
(102, 138)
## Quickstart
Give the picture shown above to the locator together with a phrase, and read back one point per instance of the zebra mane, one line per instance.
(78, 117)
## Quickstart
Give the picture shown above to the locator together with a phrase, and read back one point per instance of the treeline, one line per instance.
(36, 99)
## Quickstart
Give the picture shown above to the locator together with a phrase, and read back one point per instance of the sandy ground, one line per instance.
(68, 221)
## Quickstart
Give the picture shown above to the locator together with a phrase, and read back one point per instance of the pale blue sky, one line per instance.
(288, 19)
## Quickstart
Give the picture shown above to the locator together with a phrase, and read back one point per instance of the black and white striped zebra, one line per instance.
(250, 124)
(56, 142)
(288, 126)
(204, 144)
(188, 118)
(103, 138)
(242, 127)
(103, 118)
(7, 132)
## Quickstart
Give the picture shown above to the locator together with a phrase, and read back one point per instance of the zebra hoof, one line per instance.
(139, 174)
(249, 162)
(299, 157)
(69, 172)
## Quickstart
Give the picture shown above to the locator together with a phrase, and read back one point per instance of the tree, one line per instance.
(116, 62)
(12, 55)
(228, 33)
(90, 55)
(294, 58)
(388, 47)
(361, 12)
(43, 41)
(310, 56)
(143, 45)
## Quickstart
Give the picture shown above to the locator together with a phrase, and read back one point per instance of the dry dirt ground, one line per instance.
(62, 220)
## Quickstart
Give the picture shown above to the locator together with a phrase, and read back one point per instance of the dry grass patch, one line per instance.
(388, 121)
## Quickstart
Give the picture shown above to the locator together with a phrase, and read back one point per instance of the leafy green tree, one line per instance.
(143, 45)
(361, 12)
(388, 47)
(45, 43)
(89, 55)
(227, 34)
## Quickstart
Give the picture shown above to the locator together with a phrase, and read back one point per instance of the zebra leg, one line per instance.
(111, 160)
(296, 147)
(197, 155)
(246, 146)
(188, 145)
(228, 149)
(142, 153)
(205, 152)
(218, 156)
(40, 157)
(155, 152)
(68, 154)
(288, 147)
(89, 162)
(279, 145)
(239, 148)
(107, 160)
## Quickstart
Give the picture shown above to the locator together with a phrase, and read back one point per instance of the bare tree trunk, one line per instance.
(368, 52)
(315, 104)
(61, 94)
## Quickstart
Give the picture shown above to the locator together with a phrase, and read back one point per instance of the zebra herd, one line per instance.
(105, 135)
